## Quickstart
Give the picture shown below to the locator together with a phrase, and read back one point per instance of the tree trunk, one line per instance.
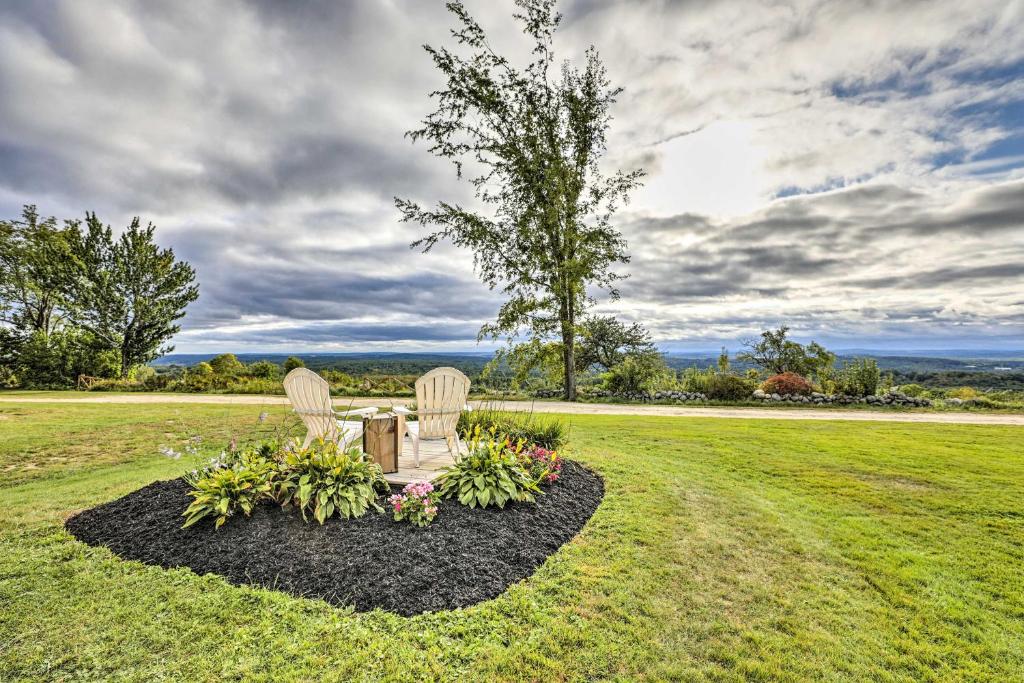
(126, 364)
(569, 350)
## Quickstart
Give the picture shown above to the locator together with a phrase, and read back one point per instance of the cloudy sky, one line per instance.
(854, 169)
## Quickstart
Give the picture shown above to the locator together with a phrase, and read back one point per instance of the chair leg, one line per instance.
(458, 445)
(415, 451)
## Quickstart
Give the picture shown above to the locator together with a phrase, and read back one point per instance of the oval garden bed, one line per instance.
(465, 556)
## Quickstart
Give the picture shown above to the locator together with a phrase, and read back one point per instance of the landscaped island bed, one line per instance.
(464, 557)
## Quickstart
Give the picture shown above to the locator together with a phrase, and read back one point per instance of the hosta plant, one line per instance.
(491, 473)
(223, 489)
(324, 480)
(417, 503)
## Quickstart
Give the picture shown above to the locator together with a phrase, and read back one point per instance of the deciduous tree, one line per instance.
(530, 140)
(36, 269)
(605, 341)
(130, 293)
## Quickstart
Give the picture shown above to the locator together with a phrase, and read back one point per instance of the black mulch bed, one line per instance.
(464, 557)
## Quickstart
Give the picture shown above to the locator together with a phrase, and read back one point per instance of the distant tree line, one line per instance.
(75, 300)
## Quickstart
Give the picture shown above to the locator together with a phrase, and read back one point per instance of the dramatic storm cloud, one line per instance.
(853, 168)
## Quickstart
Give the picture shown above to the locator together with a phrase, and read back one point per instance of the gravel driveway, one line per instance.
(563, 407)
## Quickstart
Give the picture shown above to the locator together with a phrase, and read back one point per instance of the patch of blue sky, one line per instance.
(1007, 117)
(834, 183)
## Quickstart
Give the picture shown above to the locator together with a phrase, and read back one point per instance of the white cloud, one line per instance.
(266, 141)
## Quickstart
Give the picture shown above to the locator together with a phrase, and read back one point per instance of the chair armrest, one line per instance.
(401, 410)
(365, 412)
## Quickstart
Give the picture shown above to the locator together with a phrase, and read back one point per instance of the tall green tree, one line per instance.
(37, 268)
(130, 293)
(606, 341)
(226, 364)
(533, 136)
(775, 353)
(293, 362)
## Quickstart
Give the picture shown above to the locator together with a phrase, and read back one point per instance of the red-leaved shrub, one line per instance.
(787, 383)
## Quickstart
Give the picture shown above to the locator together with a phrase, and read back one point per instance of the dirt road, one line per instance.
(569, 408)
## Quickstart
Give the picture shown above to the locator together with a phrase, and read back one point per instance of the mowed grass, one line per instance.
(724, 550)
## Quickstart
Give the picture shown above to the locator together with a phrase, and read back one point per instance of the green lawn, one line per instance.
(724, 550)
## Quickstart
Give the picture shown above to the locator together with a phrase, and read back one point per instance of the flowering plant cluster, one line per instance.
(543, 465)
(417, 503)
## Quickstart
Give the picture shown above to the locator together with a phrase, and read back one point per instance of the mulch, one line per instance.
(464, 557)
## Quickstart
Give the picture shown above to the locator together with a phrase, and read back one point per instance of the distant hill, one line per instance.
(354, 363)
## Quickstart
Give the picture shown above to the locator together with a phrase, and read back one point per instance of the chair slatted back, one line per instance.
(310, 396)
(440, 397)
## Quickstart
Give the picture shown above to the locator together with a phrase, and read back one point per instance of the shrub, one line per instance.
(787, 383)
(529, 428)
(252, 385)
(543, 465)
(228, 484)
(638, 372)
(965, 393)
(324, 480)
(293, 362)
(982, 402)
(913, 390)
(226, 364)
(55, 360)
(201, 369)
(158, 382)
(859, 378)
(728, 387)
(491, 473)
(692, 379)
(262, 369)
(417, 503)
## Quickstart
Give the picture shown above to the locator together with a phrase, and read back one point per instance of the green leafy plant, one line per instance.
(638, 371)
(859, 377)
(229, 484)
(530, 428)
(324, 480)
(722, 386)
(914, 390)
(491, 473)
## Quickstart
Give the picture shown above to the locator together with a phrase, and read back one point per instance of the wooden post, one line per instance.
(382, 439)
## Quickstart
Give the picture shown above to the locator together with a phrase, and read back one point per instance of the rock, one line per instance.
(758, 393)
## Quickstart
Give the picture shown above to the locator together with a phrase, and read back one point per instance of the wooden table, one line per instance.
(383, 435)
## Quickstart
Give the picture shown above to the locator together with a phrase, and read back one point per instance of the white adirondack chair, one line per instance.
(440, 399)
(310, 395)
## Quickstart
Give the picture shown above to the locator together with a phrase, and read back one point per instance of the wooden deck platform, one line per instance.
(433, 456)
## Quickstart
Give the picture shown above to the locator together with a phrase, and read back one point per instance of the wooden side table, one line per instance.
(383, 434)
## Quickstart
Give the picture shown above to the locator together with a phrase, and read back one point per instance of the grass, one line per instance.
(724, 550)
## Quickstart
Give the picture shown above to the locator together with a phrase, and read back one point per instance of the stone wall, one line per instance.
(893, 398)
